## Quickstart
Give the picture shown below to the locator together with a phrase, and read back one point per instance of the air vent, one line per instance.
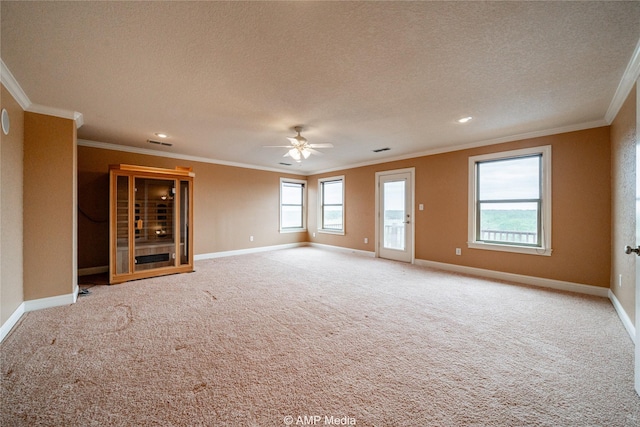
(380, 150)
(166, 144)
(285, 164)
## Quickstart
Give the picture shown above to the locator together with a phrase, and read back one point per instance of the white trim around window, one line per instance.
(322, 226)
(293, 208)
(543, 246)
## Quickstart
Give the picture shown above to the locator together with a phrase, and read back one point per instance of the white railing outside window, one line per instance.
(524, 237)
(394, 236)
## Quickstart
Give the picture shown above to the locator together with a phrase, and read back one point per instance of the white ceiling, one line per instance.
(223, 79)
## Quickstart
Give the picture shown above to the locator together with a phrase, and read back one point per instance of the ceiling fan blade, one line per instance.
(322, 145)
(316, 152)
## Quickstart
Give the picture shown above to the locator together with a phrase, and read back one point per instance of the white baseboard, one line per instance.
(37, 304)
(11, 321)
(67, 299)
(56, 301)
(519, 278)
(342, 249)
(93, 270)
(212, 255)
(624, 318)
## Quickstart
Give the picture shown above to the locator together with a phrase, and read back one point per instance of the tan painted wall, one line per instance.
(581, 209)
(233, 203)
(49, 206)
(359, 207)
(230, 204)
(11, 262)
(623, 212)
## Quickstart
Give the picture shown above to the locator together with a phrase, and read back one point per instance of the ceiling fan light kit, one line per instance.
(300, 148)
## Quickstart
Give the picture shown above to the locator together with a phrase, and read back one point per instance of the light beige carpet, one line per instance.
(302, 333)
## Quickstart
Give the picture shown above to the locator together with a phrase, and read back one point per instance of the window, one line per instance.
(293, 196)
(331, 205)
(510, 201)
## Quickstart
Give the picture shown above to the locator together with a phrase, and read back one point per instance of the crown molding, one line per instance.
(629, 78)
(14, 88)
(151, 152)
(57, 112)
(449, 149)
(440, 150)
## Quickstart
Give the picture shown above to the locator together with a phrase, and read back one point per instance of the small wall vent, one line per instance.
(380, 150)
(285, 164)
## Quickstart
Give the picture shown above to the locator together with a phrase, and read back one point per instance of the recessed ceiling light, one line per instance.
(161, 135)
(465, 119)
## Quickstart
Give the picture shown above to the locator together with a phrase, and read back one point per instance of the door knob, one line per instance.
(628, 250)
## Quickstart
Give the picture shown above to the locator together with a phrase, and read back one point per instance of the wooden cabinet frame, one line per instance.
(150, 228)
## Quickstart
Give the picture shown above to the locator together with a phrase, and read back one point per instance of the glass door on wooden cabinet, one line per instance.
(122, 224)
(185, 231)
(154, 223)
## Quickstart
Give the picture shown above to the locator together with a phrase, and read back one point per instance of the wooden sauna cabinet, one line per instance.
(150, 222)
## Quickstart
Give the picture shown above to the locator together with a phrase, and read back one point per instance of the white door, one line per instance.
(637, 245)
(394, 216)
(635, 249)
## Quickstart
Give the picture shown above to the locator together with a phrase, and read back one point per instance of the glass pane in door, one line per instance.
(394, 215)
(154, 223)
(184, 222)
(122, 224)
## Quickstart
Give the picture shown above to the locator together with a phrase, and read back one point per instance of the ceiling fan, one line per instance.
(300, 148)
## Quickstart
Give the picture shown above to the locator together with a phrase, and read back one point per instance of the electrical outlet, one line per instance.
(314, 234)
(458, 251)
(251, 238)
(620, 280)
(366, 240)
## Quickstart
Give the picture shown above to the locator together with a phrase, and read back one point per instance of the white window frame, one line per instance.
(321, 229)
(304, 206)
(545, 226)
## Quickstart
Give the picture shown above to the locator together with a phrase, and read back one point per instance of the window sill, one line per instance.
(326, 231)
(293, 230)
(510, 248)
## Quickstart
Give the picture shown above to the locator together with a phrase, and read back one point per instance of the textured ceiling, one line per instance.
(224, 79)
